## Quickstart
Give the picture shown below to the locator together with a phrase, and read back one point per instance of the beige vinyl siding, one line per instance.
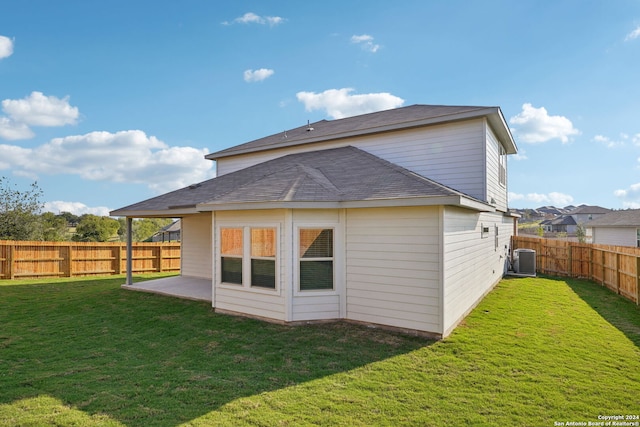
(473, 263)
(393, 267)
(495, 190)
(318, 305)
(452, 154)
(251, 301)
(196, 246)
(615, 236)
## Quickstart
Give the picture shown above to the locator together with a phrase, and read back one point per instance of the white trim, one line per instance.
(214, 265)
(454, 200)
(340, 248)
(289, 271)
(442, 267)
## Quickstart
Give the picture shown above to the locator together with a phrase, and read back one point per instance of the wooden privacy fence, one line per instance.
(616, 267)
(68, 259)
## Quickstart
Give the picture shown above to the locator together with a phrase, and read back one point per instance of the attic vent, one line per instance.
(194, 186)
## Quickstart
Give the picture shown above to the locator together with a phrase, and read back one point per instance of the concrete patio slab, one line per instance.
(192, 288)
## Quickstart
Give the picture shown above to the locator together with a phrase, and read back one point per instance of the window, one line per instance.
(263, 257)
(503, 166)
(248, 256)
(638, 237)
(231, 251)
(316, 259)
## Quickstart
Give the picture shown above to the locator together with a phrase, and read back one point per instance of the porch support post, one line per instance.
(129, 281)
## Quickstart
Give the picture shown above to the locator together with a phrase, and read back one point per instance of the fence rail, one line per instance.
(19, 259)
(616, 267)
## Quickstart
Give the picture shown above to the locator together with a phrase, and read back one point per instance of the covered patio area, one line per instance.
(193, 288)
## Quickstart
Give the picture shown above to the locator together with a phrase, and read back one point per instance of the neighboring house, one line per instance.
(568, 222)
(170, 233)
(397, 218)
(583, 214)
(561, 224)
(617, 228)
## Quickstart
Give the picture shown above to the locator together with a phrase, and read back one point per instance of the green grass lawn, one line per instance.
(535, 352)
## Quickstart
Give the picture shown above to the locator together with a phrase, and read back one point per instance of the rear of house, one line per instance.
(396, 218)
(616, 228)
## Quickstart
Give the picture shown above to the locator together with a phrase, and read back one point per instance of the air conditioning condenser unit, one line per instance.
(524, 262)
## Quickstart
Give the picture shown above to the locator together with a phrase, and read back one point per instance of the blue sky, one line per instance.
(109, 103)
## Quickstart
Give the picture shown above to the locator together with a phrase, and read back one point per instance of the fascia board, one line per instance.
(404, 202)
(170, 213)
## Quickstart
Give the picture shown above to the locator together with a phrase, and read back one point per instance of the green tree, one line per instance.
(92, 228)
(19, 212)
(581, 233)
(70, 218)
(54, 227)
(144, 228)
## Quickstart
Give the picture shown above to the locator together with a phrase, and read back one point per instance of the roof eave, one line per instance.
(160, 213)
(453, 200)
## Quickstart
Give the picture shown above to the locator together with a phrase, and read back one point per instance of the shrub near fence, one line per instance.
(616, 267)
(69, 259)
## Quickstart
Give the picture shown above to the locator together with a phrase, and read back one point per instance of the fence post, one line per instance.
(160, 258)
(118, 260)
(570, 261)
(637, 280)
(618, 274)
(10, 256)
(604, 279)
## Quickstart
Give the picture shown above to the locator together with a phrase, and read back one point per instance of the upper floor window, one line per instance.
(503, 166)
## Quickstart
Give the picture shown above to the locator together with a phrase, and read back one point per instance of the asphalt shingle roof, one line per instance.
(404, 117)
(333, 175)
(625, 218)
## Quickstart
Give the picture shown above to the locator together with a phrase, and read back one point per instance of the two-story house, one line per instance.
(396, 218)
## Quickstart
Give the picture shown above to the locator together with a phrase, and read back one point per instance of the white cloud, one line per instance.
(608, 142)
(126, 156)
(257, 75)
(40, 110)
(76, 208)
(339, 103)
(636, 139)
(633, 34)
(6, 47)
(553, 198)
(252, 18)
(629, 197)
(520, 155)
(11, 130)
(366, 42)
(536, 125)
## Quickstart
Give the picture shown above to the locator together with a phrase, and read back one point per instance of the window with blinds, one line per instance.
(316, 259)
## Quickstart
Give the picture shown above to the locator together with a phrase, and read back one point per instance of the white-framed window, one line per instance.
(316, 259)
(231, 255)
(503, 166)
(248, 256)
(638, 237)
(263, 258)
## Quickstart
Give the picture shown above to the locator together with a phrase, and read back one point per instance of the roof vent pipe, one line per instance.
(309, 128)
